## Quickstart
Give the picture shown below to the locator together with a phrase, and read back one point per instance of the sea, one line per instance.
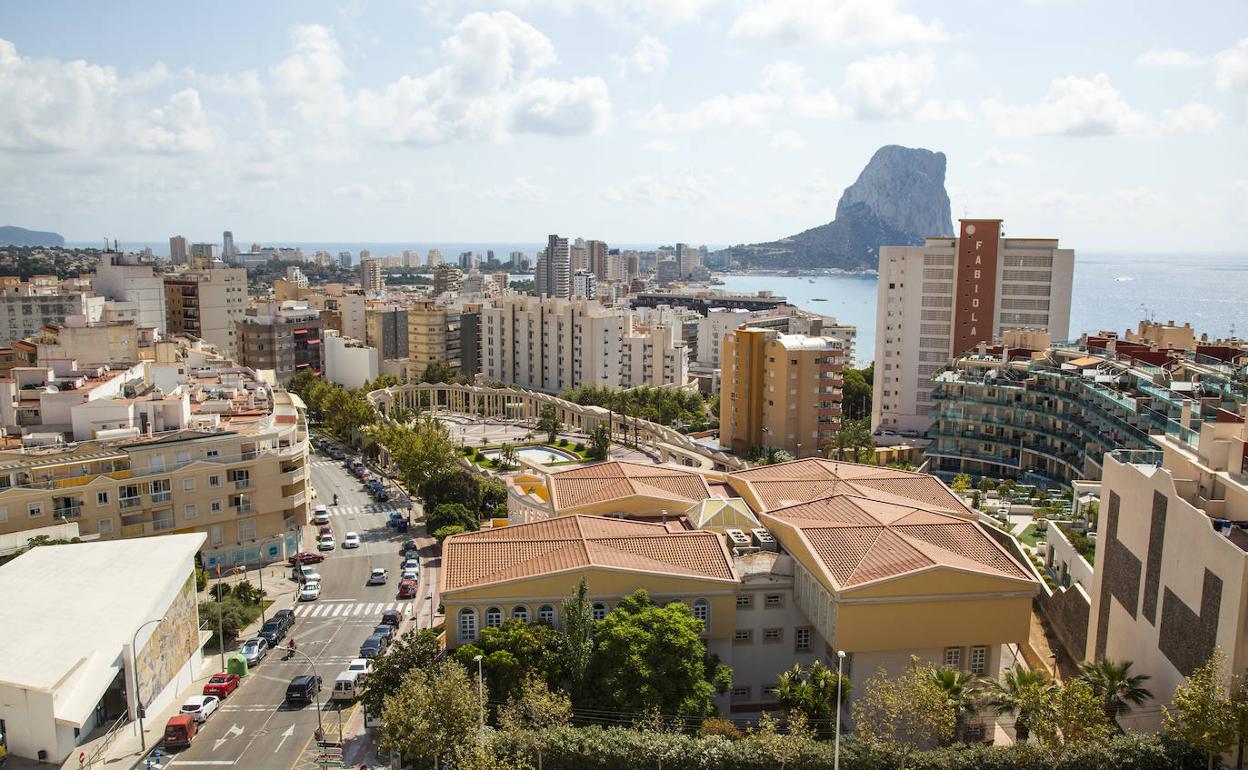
(1111, 292)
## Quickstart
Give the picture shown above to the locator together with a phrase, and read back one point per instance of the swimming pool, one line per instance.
(542, 455)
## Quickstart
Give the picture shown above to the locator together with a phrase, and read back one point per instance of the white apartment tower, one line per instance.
(370, 275)
(179, 250)
(937, 301)
(553, 276)
(133, 289)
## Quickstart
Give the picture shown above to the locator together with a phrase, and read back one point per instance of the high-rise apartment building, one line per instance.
(207, 302)
(344, 260)
(179, 250)
(432, 336)
(553, 277)
(939, 300)
(284, 337)
(411, 258)
(780, 391)
(667, 271)
(205, 251)
(447, 279)
(434, 257)
(551, 344)
(370, 276)
(135, 291)
(228, 250)
(583, 285)
(597, 259)
(385, 328)
(578, 255)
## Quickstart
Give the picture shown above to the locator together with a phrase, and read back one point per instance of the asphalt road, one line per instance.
(254, 727)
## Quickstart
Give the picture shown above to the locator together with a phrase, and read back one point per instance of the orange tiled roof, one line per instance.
(799, 481)
(619, 480)
(476, 559)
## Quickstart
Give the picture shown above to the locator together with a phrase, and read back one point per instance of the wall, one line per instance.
(347, 365)
(1067, 611)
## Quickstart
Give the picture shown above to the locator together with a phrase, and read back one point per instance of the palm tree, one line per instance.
(1119, 690)
(961, 693)
(1015, 693)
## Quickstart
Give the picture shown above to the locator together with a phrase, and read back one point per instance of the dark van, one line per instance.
(302, 689)
(179, 731)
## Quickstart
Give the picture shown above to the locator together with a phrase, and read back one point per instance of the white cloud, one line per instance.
(1191, 118)
(833, 22)
(801, 96)
(51, 105)
(1232, 67)
(937, 111)
(995, 158)
(181, 126)
(656, 189)
(737, 110)
(627, 11)
(890, 85)
(397, 191)
(578, 106)
(648, 58)
(1074, 106)
(659, 145)
(312, 76)
(520, 190)
(788, 139)
(1168, 58)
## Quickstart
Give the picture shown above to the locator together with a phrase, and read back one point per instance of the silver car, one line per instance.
(254, 650)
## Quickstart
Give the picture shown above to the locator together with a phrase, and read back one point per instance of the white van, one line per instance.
(320, 515)
(348, 687)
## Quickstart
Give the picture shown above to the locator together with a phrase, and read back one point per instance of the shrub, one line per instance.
(445, 532)
(201, 579)
(579, 447)
(563, 442)
(469, 451)
(720, 727)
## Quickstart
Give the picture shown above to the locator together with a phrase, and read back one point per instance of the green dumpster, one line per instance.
(236, 664)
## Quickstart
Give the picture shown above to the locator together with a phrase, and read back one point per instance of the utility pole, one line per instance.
(220, 621)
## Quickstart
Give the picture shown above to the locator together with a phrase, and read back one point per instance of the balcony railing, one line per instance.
(67, 512)
(162, 497)
(242, 483)
(129, 502)
(242, 509)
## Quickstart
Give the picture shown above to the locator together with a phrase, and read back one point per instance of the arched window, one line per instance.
(600, 610)
(493, 617)
(546, 614)
(520, 612)
(467, 625)
(702, 611)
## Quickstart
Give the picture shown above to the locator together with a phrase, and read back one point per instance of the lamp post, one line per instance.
(480, 701)
(836, 752)
(134, 666)
(316, 693)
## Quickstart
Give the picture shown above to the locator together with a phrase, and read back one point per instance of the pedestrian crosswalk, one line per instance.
(346, 609)
(355, 510)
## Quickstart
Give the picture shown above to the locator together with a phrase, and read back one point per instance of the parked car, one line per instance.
(273, 631)
(306, 557)
(392, 617)
(311, 591)
(363, 665)
(326, 543)
(311, 575)
(407, 589)
(411, 564)
(221, 685)
(411, 553)
(382, 496)
(200, 707)
(410, 545)
(180, 731)
(320, 515)
(393, 518)
(401, 525)
(348, 686)
(352, 540)
(378, 576)
(384, 630)
(286, 616)
(409, 574)
(254, 650)
(374, 646)
(303, 689)
(325, 530)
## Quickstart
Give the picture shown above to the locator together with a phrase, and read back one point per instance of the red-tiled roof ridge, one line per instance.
(889, 555)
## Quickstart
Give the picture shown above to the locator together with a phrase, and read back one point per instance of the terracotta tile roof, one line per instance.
(618, 480)
(799, 481)
(490, 557)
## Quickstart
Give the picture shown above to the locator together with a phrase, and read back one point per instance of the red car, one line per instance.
(407, 589)
(327, 530)
(221, 685)
(307, 557)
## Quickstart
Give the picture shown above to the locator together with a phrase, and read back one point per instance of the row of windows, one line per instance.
(978, 659)
(1029, 260)
(936, 315)
(801, 637)
(546, 614)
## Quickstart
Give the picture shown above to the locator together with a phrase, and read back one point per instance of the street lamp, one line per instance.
(134, 666)
(320, 733)
(836, 752)
(480, 700)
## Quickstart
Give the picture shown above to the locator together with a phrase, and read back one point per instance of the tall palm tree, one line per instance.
(1012, 694)
(1119, 689)
(961, 693)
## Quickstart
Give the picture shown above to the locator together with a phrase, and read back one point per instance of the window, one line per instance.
(520, 612)
(801, 639)
(162, 519)
(546, 614)
(743, 636)
(741, 693)
(188, 485)
(106, 526)
(745, 601)
(773, 601)
(702, 611)
(247, 529)
(979, 660)
(953, 657)
(101, 498)
(771, 635)
(216, 506)
(214, 480)
(600, 611)
(216, 534)
(213, 453)
(769, 692)
(493, 617)
(467, 625)
(34, 510)
(183, 457)
(189, 511)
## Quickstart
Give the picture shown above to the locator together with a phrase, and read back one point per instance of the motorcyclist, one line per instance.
(335, 499)
(290, 647)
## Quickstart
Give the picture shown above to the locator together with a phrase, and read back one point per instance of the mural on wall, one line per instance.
(172, 643)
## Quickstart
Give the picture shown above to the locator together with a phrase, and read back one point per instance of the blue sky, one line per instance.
(1112, 125)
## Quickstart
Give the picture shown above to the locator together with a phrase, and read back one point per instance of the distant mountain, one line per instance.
(899, 199)
(20, 236)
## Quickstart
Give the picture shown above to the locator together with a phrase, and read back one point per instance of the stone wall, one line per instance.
(1068, 611)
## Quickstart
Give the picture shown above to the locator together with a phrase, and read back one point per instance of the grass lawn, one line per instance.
(486, 463)
(1032, 535)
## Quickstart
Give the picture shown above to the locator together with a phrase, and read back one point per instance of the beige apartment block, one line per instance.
(432, 336)
(223, 454)
(938, 301)
(780, 391)
(370, 275)
(207, 302)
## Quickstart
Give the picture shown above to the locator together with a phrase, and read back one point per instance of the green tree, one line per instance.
(960, 691)
(1072, 715)
(533, 709)
(961, 483)
(455, 486)
(647, 656)
(1020, 691)
(856, 392)
(578, 636)
(414, 650)
(513, 653)
(1201, 713)
(781, 749)
(451, 515)
(855, 435)
(508, 456)
(898, 714)
(1112, 682)
(549, 422)
(431, 714)
(600, 442)
(443, 533)
(440, 371)
(812, 692)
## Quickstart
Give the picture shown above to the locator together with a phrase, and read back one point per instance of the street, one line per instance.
(254, 727)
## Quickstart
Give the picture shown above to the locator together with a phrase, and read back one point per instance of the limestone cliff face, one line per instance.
(899, 199)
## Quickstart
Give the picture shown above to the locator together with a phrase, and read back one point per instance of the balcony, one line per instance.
(162, 497)
(830, 413)
(242, 483)
(242, 509)
(67, 511)
(129, 502)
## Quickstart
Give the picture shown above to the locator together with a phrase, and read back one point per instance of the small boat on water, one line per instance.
(818, 299)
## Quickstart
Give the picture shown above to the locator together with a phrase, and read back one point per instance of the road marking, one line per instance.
(233, 732)
(206, 762)
(347, 609)
(289, 732)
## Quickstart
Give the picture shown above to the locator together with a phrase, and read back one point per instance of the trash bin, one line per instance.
(236, 664)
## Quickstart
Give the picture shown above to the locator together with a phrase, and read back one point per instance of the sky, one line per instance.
(1110, 124)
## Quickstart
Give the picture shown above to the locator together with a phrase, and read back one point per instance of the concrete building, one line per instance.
(780, 391)
(598, 259)
(205, 251)
(344, 260)
(284, 337)
(116, 343)
(432, 336)
(207, 302)
(552, 344)
(447, 279)
(349, 363)
(470, 339)
(179, 250)
(386, 329)
(553, 276)
(434, 257)
(26, 306)
(133, 287)
(667, 271)
(712, 328)
(583, 285)
(59, 690)
(370, 276)
(228, 250)
(940, 300)
(294, 274)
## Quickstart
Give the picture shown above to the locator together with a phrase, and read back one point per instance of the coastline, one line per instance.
(801, 272)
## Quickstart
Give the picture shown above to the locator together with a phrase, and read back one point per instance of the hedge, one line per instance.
(615, 748)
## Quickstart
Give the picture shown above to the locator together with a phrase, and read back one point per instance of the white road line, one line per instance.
(204, 762)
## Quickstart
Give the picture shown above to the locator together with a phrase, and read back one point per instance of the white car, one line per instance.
(200, 707)
(310, 591)
(310, 575)
(378, 576)
(363, 665)
(326, 543)
(410, 574)
(412, 564)
(320, 515)
(352, 540)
